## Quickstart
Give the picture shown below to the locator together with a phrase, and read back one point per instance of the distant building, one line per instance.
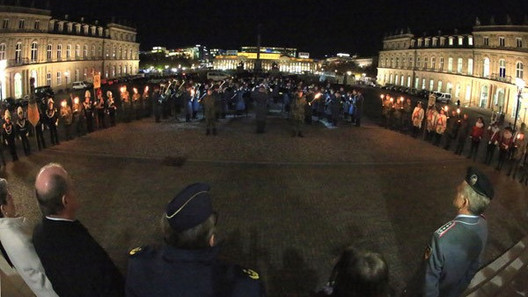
(290, 52)
(480, 68)
(57, 52)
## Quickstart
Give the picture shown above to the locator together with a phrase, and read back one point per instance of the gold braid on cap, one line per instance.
(185, 204)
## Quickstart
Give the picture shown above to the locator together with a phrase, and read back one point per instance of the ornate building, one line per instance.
(481, 69)
(58, 52)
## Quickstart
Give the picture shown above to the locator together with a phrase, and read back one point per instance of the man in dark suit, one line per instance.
(75, 263)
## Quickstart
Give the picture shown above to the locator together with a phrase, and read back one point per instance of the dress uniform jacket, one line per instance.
(454, 256)
(167, 271)
(75, 263)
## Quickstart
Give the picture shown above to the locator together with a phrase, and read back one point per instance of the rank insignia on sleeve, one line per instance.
(251, 273)
(135, 251)
(427, 253)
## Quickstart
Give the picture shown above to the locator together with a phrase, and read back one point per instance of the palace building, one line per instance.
(483, 68)
(58, 52)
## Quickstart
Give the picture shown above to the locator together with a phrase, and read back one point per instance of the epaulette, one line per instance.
(245, 273)
(137, 251)
(442, 230)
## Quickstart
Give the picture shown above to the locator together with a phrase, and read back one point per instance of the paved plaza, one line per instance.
(287, 205)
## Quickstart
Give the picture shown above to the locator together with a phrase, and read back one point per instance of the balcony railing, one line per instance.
(498, 77)
(17, 62)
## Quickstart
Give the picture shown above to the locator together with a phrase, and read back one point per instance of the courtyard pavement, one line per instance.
(287, 206)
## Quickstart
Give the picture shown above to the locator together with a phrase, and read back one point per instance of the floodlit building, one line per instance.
(282, 59)
(483, 68)
(58, 52)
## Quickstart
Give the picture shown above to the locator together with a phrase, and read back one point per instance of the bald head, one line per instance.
(52, 186)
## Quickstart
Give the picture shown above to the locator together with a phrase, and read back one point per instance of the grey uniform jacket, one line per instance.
(454, 256)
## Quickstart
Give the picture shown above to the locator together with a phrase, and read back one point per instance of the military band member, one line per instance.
(39, 128)
(66, 116)
(187, 264)
(210, 112)
(78, 116)
(456, 249)
(52, 120)
(111, 108)
(8, 131)
(100, 110)
(417, 118)
(88, 114)
(22, 127)
(297, 113)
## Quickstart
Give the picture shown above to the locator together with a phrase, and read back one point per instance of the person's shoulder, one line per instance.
(445, 229)
(141, 253)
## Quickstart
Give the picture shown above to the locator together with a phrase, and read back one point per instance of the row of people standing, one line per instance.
(457, 130)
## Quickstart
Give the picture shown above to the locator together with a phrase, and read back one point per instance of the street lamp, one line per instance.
(520, 86)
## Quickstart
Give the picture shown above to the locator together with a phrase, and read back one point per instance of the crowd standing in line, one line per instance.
(512, 146)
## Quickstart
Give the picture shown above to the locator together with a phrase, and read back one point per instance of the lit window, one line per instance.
(470, 66)
(59, 51)
(439, 89)
(470, 40)
(431, 84)
(451, 41)
(459, 65)
(68, 51)
(502, 68)
(519, 70)
(49, 48)
(2, 51)
(34, 52)
(450, 64)
(18, 52)
(486, 68)
(48, 78)
(59, 79)
(85, 51)
(435, 42)
(433, 63)
(441, 64)
(460, 40)
(77, 51)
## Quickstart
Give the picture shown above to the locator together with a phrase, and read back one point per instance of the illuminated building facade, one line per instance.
(290, 52)
(269, 61)
(58, 52)
(482, 69)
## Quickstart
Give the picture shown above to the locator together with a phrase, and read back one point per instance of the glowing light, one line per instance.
(123, 89)
(382, 96)
(446, 108)
(317, 95)
(146, 89)
(76, 100)
(135, 90)
(458, 110)
(63, 103)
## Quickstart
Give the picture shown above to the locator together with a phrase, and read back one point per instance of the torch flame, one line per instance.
(123, 89)
(76, 100)
(146, 89)
(317, 95)
(381, 96)
(135, 90)
(458, 110)
(63, 103)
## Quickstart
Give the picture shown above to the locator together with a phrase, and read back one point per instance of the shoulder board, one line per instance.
(251, 273)
(443, 230)
(136, 251)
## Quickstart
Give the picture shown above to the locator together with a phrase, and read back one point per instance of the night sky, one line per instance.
(319, 27)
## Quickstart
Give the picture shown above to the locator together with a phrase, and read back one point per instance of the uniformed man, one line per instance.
(186, 264)
(261, 99)
(52, 120)
(9, 134)
(209, 104)
(22, 129)
(297, 113)
(456, 249)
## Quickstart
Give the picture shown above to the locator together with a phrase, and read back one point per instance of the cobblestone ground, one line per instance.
(287, 205)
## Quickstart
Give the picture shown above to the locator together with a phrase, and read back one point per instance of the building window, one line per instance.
(451, 40)
(470, 66)
(450, 64)
(2, 51)
(416, 82)
(418, 62)
(21, 24)
(34, 52)
(410, 62)
(68, 51)
(113, 71)
(502, 42)
(423, 83)
(59, 79)
(435, 42)
(470, 40)
(85, 73)
(439, 89)
(457, 91)
(48, 52)
(431, 84)
(468, 92)
(77, 51)
(486, 41)
(114, 52)
(48, 79)
(36, 25)
(5, 24)
(433, 63)
(85, 51)
(67, 77)
(427, 43)
(459, 65)
(59, 51)
(460, 40)
(441, 64)
(397, 62)
(402, 78)
(519, 42)
(93, 51)
(425, 62)
(77, 73)
(18, 52)
(519, 70)
(486, 67)
(502, 68)
(408, 81)
(449, 88)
